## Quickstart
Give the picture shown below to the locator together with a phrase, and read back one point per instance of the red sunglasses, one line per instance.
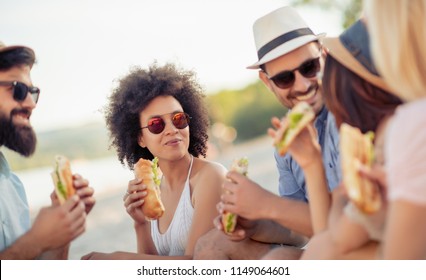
(156, 124)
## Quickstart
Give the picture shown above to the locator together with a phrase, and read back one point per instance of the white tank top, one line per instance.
(173, 241)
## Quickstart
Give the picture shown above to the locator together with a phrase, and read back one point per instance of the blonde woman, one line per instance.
(398, 41)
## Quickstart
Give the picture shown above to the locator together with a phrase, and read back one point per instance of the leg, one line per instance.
(283, 253)
(321, 247)
(215, 245)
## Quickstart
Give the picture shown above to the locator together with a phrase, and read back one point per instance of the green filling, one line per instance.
(229, 221)
(243, 163)
(156, 178)
(60, 185)
(370, 135)
(294, 119)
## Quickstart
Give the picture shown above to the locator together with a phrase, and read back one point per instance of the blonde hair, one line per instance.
(398, 44)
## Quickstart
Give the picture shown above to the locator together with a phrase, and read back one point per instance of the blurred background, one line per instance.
(84, 46)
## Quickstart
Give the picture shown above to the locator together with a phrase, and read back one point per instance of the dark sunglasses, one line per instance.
(157, 124)
(20, 90)
(307, 69)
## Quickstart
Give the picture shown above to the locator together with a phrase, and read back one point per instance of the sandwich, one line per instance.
(296, 120)
(148, 171)
(229, 220)
(357, 148)
(62, 178)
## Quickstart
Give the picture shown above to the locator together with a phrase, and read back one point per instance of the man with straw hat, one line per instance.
(289, 60)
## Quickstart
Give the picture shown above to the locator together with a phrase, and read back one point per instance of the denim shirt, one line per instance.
(291, 177)
(14, 212)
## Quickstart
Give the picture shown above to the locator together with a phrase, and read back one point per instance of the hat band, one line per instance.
(283, 39)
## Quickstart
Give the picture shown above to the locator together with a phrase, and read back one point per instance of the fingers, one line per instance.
(134, 197)
(276, 122)
(272, 132)
(234, 177)
(88, 256)
(79, 182)
(217, 222)
(130, 208)
(71, 202)
(134, 185)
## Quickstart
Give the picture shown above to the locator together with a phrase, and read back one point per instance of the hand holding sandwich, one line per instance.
(305, 147)
(134, 200)
(296, 134)
(66, 185)
(244, 228)
(142, 199)
(57, 225)
(243, 197)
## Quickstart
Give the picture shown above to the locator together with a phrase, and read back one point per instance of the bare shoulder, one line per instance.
(206, 181)
(206, 172)
(207, 168)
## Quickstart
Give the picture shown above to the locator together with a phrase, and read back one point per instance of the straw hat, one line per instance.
(280, 32)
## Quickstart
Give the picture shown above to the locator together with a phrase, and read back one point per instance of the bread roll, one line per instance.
(229, 220)
(356, 149)
(297, 119)
(62, 178)
(147, 171)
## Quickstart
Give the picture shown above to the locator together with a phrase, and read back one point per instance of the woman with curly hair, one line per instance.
(159, 112)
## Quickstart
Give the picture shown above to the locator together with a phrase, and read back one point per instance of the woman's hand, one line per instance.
(134, 199)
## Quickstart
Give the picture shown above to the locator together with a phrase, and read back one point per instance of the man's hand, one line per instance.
(305, 148)
(83, 190)
(56, 226)
(244, 197)
(243, 230)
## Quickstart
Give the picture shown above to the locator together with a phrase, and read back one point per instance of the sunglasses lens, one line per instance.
(284, 80)
(156, 125)
(310, 68)
(180, 120)
(20, 91)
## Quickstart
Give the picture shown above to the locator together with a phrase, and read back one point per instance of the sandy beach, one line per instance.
(110, 229)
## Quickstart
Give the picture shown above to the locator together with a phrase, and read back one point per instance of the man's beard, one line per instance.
(21, 139)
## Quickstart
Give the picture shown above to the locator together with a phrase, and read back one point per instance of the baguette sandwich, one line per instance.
(148, 171)
(229, 220)
(62, 178)
(356, 149)
(296, 120)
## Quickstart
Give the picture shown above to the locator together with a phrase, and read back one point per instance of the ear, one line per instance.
(141, 142)
(265, 80)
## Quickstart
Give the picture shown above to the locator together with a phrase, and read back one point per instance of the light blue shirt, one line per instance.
(291, 177)
(14, 211)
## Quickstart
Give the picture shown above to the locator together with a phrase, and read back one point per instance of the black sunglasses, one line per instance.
(307, 69)
(157, 124)
(20, 90)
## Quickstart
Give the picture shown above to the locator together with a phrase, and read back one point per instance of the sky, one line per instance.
(84, 46)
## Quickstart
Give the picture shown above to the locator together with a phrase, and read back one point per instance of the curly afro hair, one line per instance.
(136, 90)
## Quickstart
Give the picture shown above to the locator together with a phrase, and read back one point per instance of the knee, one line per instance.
(209, 246)
(283, 253)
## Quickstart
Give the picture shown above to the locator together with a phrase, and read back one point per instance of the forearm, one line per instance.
(143, 239)
(319, 196)
(271, 232)
(289, 213)
(24, 248)
(56, 254)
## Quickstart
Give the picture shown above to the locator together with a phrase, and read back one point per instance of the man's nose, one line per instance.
(301, 83)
